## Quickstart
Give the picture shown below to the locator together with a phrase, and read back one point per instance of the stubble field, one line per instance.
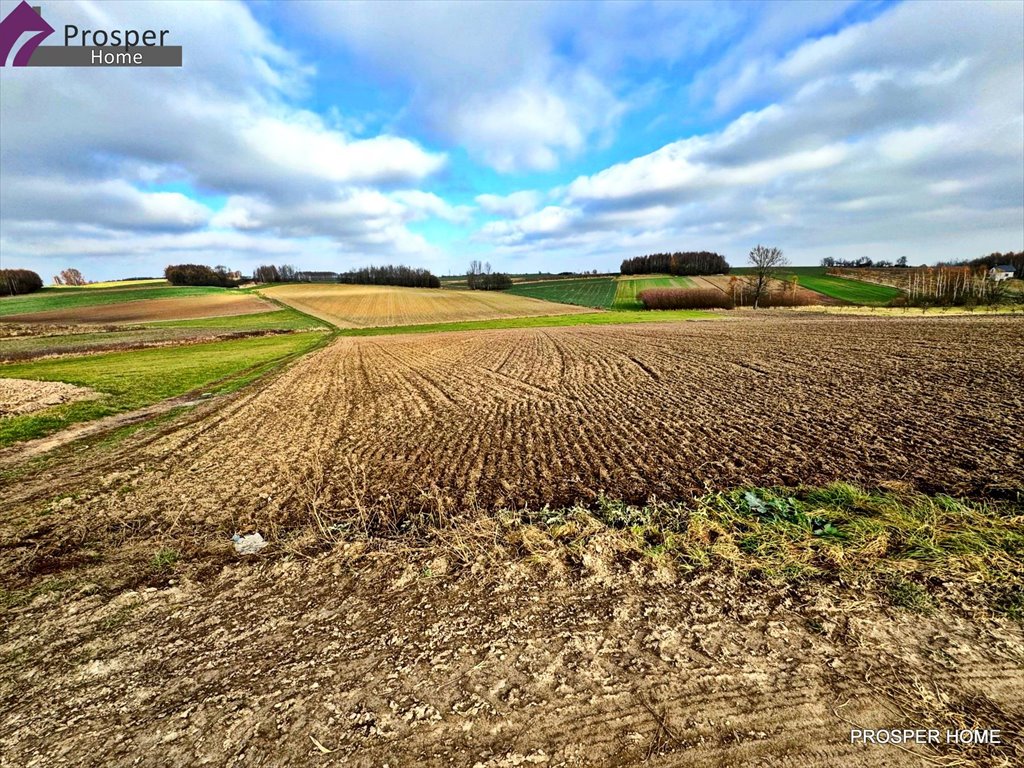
(365, 306)
(382, 428)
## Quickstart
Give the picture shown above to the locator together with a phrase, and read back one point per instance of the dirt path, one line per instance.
(325, 662)
(30, 449)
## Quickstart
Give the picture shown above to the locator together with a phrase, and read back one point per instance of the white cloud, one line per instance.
(514, 204)
(100, 147)
(921, 147)
(485, 75)
(111, 203)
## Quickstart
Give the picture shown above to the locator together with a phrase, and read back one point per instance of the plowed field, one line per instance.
(553, 416)
(366, 306)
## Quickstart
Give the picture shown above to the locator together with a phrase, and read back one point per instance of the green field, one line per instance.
(143, 377)
(583, 292)
(844, 289)
(74, 298)
(628, 288)
(286, 319)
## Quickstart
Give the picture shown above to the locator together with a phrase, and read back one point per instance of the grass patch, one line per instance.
(545, 321)
(54, 298)
(895, 540)
(164, 560)
(596, 292)
(628, 288)
(136, 379)
(283, 319)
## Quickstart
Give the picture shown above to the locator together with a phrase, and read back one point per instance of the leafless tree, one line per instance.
(766, 263)
(72, 277)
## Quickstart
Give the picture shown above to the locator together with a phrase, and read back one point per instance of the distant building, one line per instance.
(317, 277)
(1002, 272)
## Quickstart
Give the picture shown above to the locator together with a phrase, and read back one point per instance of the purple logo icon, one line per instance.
(22, 19)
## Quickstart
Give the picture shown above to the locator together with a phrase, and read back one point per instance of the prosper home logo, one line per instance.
(82, 47)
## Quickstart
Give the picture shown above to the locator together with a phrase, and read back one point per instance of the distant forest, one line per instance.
(864, 263)
(391, 275)
(680, 263)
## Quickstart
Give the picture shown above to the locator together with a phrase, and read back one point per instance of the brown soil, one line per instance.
(554, 416)
(382, 655)
(19, 396)
(392, 661)
(150, 310)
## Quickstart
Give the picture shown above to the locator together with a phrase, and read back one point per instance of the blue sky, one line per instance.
(537, 136)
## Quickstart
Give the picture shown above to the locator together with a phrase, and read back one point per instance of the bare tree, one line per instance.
(72, 276)
(474, 272)
(766, 263)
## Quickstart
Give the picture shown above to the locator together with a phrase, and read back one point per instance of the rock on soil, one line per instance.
(20, 396)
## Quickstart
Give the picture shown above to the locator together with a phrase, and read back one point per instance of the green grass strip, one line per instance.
(628, 288)
(139, 378)
(282, 319)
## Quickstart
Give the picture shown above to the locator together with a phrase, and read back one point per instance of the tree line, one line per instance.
(410, 277)
(481, 277)
(679, 263)
(200, 274)
(864, 263)
(17, 281)
(271, 273)
(1015, 260)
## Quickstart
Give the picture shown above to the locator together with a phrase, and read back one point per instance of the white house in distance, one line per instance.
(1002, 272)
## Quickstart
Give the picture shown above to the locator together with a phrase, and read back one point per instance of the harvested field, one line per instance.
(464, 422)
(145, 310)
(365, 306)
(18, 396)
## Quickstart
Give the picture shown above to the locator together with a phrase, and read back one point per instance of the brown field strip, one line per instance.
(365, 306)
(147, 310)
(554, 416)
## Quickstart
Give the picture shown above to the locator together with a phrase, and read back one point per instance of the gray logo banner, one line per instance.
(106, 56)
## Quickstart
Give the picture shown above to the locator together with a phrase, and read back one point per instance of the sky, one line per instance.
(536, 136)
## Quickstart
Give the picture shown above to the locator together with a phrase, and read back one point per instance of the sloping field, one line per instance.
(53, 299)
(584, 292)
(147, 310)
(840, 288)
(368, 306)
(627, 288)
(552, 416)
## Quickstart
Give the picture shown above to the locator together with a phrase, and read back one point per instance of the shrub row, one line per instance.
(15, 281)
(685, 298)
(709, 298)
